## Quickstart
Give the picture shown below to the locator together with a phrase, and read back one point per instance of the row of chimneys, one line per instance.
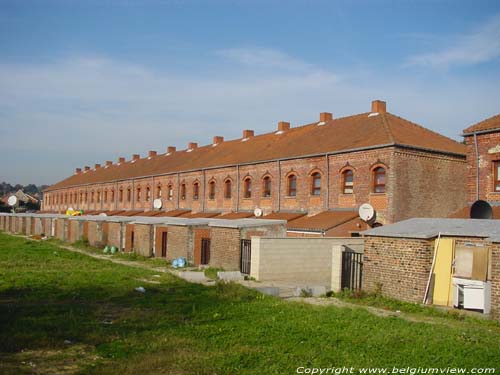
(378, 106)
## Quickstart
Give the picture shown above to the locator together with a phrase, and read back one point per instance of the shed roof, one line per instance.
(427, 228)
(491, 123)
(322, 222)
(357, 132)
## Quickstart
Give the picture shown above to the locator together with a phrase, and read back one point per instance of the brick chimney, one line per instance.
(109, 163)
(248, 133)
(121, 160)
(97, 166)
(378, 106)
(151, 153)
(283, 126)
(192, 145)
(87, 168)
(171, 149)
(78, 170)
(325, 116)
(218, 139)
(136, 157)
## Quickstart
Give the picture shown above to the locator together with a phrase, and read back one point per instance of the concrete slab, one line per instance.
(193, 276)
(230, 276)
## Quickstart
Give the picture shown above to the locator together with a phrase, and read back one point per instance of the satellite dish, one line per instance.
(103, 214)
(481, 210)
(12, 200)
(366, 212)
(257, 212)
(70, 209)
(157, 203)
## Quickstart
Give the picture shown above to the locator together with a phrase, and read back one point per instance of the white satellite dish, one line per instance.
(157, 203)
(12, 200)
(70, 209)
(257, 212)
(103, 214)
(366, 212)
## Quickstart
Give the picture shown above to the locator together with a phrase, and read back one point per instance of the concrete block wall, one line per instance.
(400, 266)
(301, 261)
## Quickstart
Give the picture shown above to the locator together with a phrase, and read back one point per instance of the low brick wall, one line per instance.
(60, 224)
(29, 228)
(143, 239)
(225, 248)
(495, 280)
(94, 234)
(400, 266)
(74, 230)
(180, 242)
(115, 235)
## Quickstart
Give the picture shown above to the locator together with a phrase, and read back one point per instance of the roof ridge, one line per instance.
(477, 124)
(386, 127)
(424, 128)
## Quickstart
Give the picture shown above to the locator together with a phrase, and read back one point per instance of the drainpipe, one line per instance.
(279, 185)
(477, 166)
(178, 190)
(237, 187)
(327, 203)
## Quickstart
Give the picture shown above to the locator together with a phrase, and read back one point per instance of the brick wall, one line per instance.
(115, 235)
(29, 227)
(428, 185)
(422, 177)
(401, 266)
(60, 228)
(94, 234)
(487, 154)
(495, 280)
(74, 230)
(143, 239)
(225, 248)
(180, 243)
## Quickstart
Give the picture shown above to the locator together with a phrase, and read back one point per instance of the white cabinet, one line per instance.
(472, 294)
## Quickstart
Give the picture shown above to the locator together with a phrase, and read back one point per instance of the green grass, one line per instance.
(49, 295)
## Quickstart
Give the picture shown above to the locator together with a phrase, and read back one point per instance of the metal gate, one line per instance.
(352, 270)
(246, 256)
(205, 250)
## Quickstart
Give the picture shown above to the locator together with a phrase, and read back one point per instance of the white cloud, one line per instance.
(479, 46)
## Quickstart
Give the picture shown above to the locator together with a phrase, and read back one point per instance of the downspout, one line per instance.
(477, 165)
(237, 187)
(327, 202)
(279, 185)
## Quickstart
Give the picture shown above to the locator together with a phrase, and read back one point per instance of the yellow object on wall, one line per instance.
(442, 294)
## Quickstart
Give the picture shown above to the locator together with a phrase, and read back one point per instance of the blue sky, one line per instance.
(82, 82)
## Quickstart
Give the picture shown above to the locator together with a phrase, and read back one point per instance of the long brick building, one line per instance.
(314, 175)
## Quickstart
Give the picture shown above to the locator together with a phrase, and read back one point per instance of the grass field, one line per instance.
(63, 312)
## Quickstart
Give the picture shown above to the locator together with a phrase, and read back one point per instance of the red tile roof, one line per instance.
(174, 213)
(323, 221)
(488, 124)
(288, 216)
(337, 135)
(236, 215)
(203, 215)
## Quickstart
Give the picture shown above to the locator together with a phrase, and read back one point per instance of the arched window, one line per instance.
(183, 191)
(196, 191)
(348, 181)
(158, 191)
(105, 196)
(379, 180)
(266, 187)
(129, 194)
(65, 198)
(316, 183)
(247, 188)
(75, 197)
(81, 197)
(227, 189)
(98, 197)
(148, 193)
(92, 197)
(211, 190)
(170, 192)
(112, 196)
(86, 197)
(292, 185)
(138, 198)
(120, 195)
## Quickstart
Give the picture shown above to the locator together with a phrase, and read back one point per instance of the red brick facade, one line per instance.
(417, 184)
